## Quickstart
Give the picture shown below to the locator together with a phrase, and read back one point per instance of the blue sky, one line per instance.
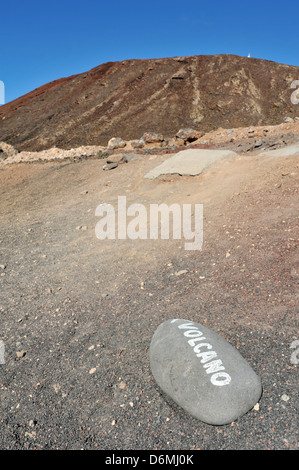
(44, 40)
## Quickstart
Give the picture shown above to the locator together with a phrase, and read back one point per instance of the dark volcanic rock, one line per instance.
(162, 95)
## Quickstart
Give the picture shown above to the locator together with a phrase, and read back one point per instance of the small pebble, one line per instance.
(179, 273)
(21, 354)
(122, 385)
(56, 388)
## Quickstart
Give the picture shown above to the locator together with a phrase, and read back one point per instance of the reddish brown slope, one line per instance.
(163, 95)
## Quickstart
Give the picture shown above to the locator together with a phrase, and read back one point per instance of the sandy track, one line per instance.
(83, 310)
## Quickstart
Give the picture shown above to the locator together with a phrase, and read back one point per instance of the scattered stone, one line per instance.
(82, 227)
(258, 143)
(294, 272)
(84, 192)
(202, 372)
(30, 434)
(152, 138)
(92, 371)
(116, 143)
(182, 271)
(119, 159)
(129, 157)
(164, 144)
(116, 158)
(122, 386)
(2, 266)
(188, 135)
(20, 354)
(285, 397)
(138, 144)
(288, 119)
(56, 388)
(110, 166)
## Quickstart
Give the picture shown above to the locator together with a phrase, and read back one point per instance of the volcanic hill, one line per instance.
(131, 97)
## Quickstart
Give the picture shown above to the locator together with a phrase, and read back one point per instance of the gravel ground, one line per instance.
(78, 314)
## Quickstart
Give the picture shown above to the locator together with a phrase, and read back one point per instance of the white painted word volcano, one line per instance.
(202, 372)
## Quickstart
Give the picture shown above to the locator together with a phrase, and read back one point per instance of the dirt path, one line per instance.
(81, 312)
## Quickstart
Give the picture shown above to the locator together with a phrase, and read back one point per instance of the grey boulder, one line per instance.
(202, 372)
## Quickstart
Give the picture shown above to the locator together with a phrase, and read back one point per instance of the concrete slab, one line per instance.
(189, 162)
(283, 152)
